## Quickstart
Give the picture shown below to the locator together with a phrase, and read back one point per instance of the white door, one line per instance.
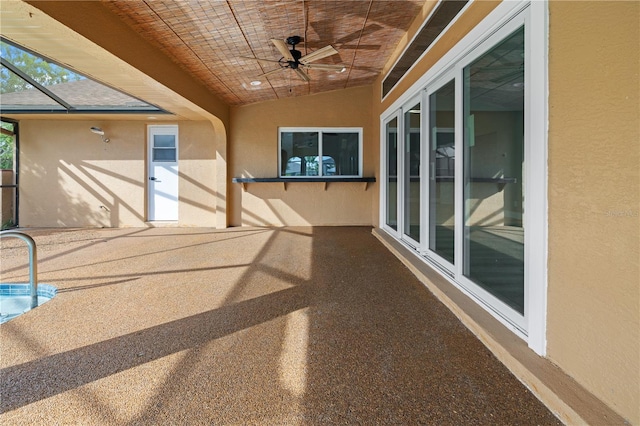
(163, 173)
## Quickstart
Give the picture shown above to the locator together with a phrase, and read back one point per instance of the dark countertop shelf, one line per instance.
(286, 180)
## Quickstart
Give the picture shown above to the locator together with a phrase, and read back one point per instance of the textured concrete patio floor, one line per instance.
(243, 326)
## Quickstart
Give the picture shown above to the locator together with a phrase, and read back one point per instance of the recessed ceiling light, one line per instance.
(256, 83)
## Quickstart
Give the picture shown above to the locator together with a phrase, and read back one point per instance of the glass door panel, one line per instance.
(412, 172)
(442, 172)
(493, 242)
(9, 175)
(391, 203)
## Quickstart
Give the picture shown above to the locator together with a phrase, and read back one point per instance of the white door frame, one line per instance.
(403, 146)
(162, 173)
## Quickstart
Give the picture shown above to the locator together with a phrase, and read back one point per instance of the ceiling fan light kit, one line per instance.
(293, 59)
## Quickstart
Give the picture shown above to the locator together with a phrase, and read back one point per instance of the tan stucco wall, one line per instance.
(198, 179)
(594, 144)
(254, 153)
(70, 178)
(111, 52)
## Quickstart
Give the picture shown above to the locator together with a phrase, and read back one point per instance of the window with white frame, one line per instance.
(483, 147)
(320, 152)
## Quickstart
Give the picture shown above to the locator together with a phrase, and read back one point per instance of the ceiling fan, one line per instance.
(294, 60)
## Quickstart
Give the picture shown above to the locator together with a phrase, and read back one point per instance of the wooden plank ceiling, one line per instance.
(208, 38)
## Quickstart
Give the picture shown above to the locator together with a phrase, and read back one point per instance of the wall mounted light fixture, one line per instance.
(99, 131)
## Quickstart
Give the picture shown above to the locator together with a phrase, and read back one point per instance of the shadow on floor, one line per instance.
(321, 326)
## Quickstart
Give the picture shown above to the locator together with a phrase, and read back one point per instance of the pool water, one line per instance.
(15, 299)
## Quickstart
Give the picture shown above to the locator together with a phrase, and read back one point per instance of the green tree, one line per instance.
(6, 148)
(43, 72)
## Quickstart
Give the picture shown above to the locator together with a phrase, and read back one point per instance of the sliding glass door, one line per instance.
(411, 171)
(463, 210)
(442, 217)
(493, 171)
(391, 172)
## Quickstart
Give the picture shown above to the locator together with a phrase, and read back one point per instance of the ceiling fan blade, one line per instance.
(326, 67)
(270, 72)
(303, 75)
(318, 54)
(260, 59)
(282, 48)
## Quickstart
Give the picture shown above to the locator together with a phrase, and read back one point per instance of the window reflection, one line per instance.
(493, 171)
(319, 153)
(300, 151)
(392, 174)
(442, 171)
(412, 172)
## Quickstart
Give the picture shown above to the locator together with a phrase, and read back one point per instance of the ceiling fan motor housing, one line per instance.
(296, 58)
(293, 40)
(296, 54)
